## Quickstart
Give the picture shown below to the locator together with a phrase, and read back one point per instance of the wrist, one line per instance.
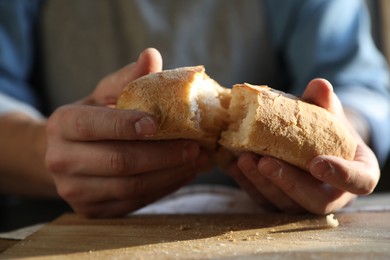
(22, 157)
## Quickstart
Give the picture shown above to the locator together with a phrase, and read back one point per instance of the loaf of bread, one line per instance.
(269, 122)
(190, 105)
(186, 101)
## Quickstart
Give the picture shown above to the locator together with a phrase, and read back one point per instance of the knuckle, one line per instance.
(354, 180)
(82, 127)
(118, 163)
(51, 127)
(67, 192)
(64, 113)
(371, 183)
(133, 187)
(368, 188)
(54, 121)
(121, 162)
(80, 122)
(55, 163)
(120, 127)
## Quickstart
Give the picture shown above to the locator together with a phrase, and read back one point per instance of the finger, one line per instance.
(148, 61)
(320, 92)
(110, 87)
(359, 176)
(121, 158)
(301, 187)
(235, 172)
(248, 165)
(88, 123)
(151, 61)
(118, 208)
(88, 190)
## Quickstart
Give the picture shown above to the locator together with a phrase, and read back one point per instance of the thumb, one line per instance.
(149, 60)
(110, 87)
(320, 92)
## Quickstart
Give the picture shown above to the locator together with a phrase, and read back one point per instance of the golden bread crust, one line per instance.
(247, 118)
(166, 95)
(286, 127)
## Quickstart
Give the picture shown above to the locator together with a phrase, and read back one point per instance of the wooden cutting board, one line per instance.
(276, 236)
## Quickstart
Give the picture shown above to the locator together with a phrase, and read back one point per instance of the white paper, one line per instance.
(21, 233)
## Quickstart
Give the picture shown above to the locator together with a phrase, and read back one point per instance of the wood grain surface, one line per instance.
(361, 235)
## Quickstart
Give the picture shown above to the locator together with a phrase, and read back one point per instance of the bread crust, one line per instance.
(260, 119)
(166, 95)
(285, 127)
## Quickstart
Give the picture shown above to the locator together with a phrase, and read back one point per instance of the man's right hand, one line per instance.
(100, 162)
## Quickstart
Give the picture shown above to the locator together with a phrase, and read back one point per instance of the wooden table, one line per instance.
(361, 235)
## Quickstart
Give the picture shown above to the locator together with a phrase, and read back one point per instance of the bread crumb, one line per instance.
(331, 221)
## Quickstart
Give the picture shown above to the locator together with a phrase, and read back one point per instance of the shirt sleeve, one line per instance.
(17, 21)
(9, 104)
(332, 39)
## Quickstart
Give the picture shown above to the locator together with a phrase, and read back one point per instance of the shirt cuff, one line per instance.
(9, 104)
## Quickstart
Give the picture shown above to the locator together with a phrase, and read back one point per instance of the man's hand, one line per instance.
(332, 182)
(100, 163)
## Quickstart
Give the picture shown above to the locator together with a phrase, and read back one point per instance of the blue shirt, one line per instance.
(336, 44)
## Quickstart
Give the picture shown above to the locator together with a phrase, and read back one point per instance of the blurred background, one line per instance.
(380, 13)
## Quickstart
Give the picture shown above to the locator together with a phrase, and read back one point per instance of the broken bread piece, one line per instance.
(187, 103)
(270, 122)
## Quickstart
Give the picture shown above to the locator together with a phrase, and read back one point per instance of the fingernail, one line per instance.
(322, 169)
(270, 168)
(145, 126)
(190, 152)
